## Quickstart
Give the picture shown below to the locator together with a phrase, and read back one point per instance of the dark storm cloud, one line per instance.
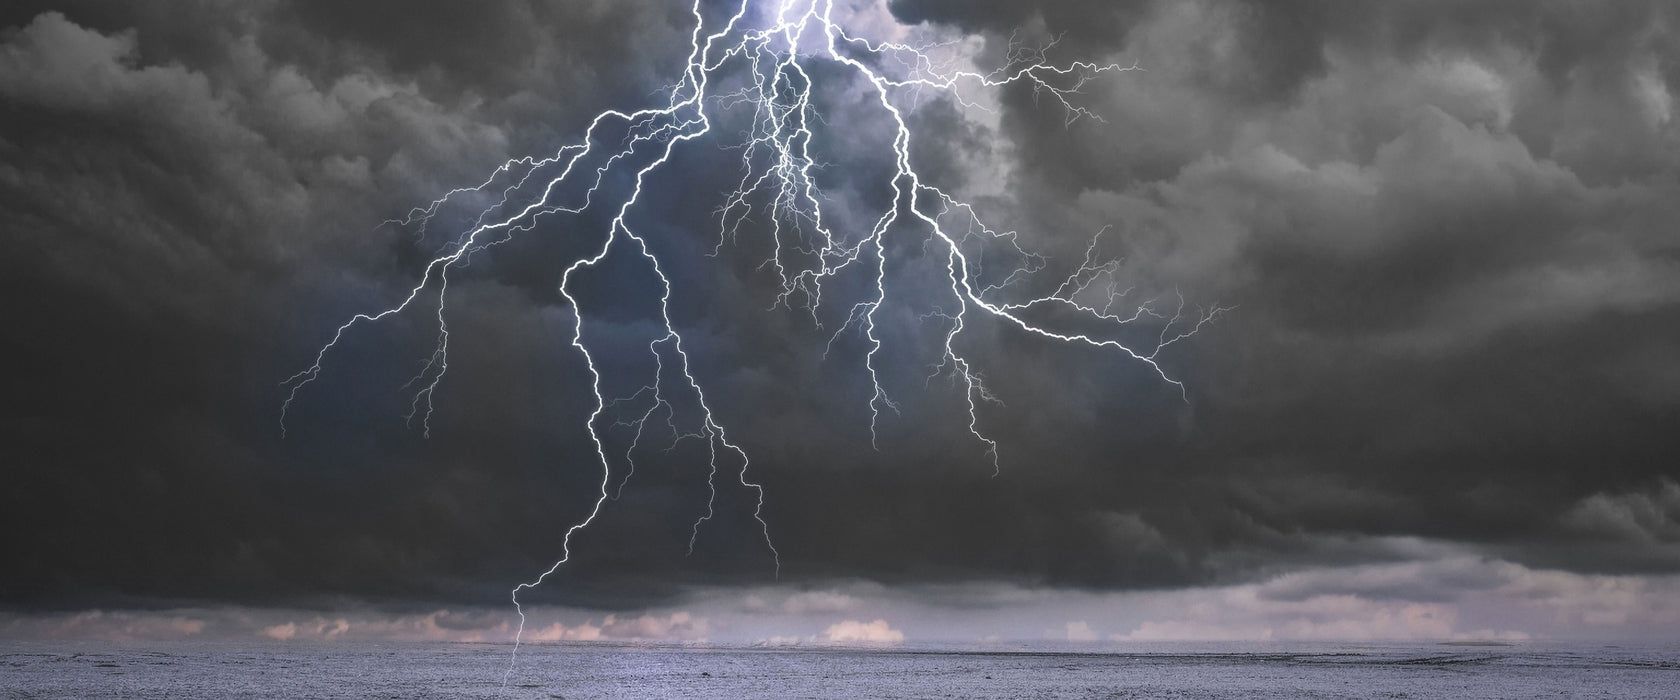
(1447, 230)
(182, 206)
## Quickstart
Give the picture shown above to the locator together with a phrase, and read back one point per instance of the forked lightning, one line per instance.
(766, 52)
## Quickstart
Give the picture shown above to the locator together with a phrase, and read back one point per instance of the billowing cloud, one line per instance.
(1651, 516)
(851, 631)
(1443, 404)
(1077, 631)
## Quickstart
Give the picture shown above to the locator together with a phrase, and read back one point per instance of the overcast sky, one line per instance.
(1444, 403)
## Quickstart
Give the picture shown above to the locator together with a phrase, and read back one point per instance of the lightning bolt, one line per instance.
(770, 54)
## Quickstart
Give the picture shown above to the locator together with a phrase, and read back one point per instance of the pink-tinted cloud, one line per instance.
(877, 632)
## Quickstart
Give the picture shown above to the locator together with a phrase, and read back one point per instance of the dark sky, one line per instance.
(1447, 232)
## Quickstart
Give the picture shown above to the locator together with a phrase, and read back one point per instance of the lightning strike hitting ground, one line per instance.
(770, 52)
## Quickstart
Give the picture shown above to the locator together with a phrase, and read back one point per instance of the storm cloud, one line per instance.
(1446, 232)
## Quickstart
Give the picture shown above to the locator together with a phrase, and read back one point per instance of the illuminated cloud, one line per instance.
(876, 632)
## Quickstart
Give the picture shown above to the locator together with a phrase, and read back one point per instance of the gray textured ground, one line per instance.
(314, 670)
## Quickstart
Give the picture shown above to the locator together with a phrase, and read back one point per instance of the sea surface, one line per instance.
(62, 669)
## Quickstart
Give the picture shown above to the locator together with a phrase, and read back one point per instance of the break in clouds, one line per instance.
(1443, 405)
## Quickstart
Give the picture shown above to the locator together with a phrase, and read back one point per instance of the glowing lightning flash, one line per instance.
(778, 167)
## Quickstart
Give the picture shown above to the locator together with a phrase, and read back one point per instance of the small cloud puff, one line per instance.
(877, 632)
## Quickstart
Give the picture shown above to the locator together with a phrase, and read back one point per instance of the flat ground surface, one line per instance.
(325, 670)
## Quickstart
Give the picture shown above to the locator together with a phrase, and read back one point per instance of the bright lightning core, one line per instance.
(764, 67)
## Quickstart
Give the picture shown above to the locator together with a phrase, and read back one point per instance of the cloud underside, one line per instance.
(1455, 598)
(1449, 382)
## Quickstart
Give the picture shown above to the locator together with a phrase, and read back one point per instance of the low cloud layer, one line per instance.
(1455, 598)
